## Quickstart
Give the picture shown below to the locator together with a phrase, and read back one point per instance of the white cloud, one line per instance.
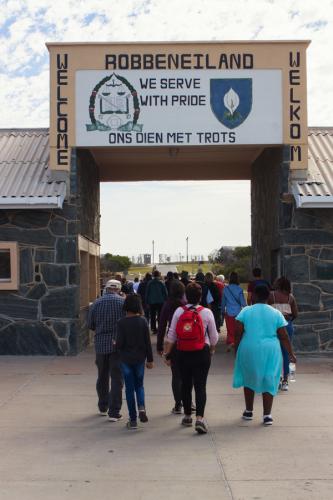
(33, 22)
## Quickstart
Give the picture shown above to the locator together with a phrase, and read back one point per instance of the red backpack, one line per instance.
(190, 330)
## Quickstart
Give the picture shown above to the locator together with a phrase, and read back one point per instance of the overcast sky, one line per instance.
(134, 214)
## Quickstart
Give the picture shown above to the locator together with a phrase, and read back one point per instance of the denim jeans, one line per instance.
(133, 377)
(108, 366)
(285, 355)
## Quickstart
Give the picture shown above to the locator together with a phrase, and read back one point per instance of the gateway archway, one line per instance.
(263, 167)
(161, 111)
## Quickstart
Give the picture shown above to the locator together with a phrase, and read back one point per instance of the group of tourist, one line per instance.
(187, 315)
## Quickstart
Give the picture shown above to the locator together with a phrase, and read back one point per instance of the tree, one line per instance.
(115, 263)
(224, 255)
(227, 259)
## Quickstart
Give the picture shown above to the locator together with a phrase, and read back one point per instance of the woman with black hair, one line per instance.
(193, 331)
(169, 279)
(134, 347)
(175, 299)
(283, 300)
(142, 292)
(259, 331)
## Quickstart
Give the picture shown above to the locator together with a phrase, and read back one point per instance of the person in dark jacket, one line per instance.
(168, 280)
(142, 292)
(184, 278)
(126, 286)
(175, 299)
(200, 279)
(134, 347)
(156, 295)
(258, 280)
(215, 305)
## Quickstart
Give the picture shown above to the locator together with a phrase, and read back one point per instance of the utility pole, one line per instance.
(153, 256)
(187, 249)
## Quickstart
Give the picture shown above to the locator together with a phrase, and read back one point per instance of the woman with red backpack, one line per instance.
(194, 331)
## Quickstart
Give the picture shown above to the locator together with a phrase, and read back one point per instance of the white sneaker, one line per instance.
(285, 386)
(115, 419)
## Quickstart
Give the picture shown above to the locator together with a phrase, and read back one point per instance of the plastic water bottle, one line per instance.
(292, 372)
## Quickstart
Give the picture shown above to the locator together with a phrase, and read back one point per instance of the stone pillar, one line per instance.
(296, 243)
(269, 178)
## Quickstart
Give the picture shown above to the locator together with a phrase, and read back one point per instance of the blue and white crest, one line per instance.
(231, 100)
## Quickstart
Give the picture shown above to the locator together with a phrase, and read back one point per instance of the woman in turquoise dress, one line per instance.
(259, 331)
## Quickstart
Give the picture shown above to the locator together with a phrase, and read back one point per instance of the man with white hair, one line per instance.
(103, 317)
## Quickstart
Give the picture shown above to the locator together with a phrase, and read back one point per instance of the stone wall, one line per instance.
(38, 318)
(307, 236)
(43, 316)
(297, 243)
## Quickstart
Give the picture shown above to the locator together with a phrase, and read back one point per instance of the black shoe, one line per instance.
(268, 421)
(177, 410)
(143, 416)
(132, 424)
(187, 422)
(201, 427)
(115, 418)
(247, 415)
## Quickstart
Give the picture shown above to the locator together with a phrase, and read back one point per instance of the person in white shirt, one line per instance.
(193, 364)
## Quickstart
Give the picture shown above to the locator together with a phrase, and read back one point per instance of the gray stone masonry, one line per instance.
(29, 317)
(310, 268)
(297, 243)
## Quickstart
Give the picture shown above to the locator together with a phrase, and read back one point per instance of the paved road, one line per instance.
(55, 446)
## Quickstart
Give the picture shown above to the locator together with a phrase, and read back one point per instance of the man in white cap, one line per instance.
(103, 317)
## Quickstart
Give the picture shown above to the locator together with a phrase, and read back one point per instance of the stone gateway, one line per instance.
(153, 111)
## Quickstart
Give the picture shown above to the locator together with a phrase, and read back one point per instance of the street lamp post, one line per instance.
(187, 249)
(153, 242)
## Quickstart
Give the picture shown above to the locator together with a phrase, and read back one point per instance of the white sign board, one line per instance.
(156, 108)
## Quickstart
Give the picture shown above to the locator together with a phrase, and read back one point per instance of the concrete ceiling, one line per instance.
(175, 163)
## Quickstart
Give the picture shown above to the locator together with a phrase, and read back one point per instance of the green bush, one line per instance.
(115, 263)
(238, 259)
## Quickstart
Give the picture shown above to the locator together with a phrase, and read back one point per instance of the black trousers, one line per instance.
(155, 311)
(176, 382)
(194, 367)
(108, 366)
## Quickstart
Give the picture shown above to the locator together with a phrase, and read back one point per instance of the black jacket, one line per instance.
(133, 340)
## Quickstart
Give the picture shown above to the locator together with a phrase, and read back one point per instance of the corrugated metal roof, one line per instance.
(24, 174)
(320, 165)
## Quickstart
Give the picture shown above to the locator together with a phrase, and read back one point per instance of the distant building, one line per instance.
(147, 259)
